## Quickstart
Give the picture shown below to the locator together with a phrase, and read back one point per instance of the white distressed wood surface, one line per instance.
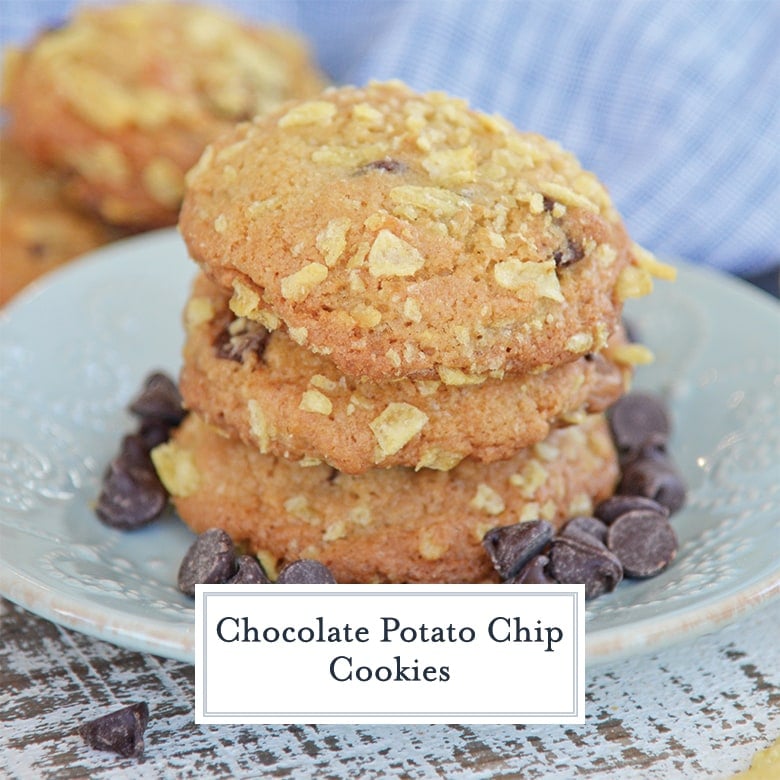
(696, 710)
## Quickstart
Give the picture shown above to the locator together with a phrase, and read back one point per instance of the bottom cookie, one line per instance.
(387, 525)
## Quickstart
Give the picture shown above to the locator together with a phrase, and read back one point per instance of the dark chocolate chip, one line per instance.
(510, 547)
(534, 573)
(159, 400)
(570, 254)
(131, 494)
(655, 478)
(154, 433)
(644, 541)
(210, 560)
(306, 572)
(574, 561)
(591, 527)
(250, 572)
(613, 507)
(121, 731)
(635, 419)
(240, 338)
(387, 165)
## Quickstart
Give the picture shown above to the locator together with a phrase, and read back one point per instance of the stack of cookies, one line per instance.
(404, 333)
(107, 112)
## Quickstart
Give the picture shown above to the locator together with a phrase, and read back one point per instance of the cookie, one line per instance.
(401, 233)
(39, 229)
(285, 400)
(124, 98)
(388, 525)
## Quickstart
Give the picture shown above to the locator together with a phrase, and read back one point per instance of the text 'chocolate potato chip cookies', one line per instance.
(285, 400)
(123, 99)
(402, 234)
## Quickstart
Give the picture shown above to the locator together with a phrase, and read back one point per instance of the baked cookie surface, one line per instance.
(124, 98)
(39, 229)
(389, 525)
(285, 400)
(400, 233)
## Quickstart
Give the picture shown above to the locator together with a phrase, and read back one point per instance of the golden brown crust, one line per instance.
(389, 525)
(39, 229)
(399, 233)
(283, 399)
(124, 98)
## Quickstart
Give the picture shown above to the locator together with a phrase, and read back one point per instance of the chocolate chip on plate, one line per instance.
(210, 560)
(510, 547)
(120, 731)
(574, 561)
(655, 478)
(131, 493)
(644, 542)
(249, 572)
(533, 573)
(591, 527)
(159, 399)
(306, 572)
(613, 507)
(634, 419)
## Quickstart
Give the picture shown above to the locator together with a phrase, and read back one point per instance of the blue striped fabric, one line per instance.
(674, 104)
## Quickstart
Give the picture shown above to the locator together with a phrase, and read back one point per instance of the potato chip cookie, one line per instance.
(283, 399)
(124, 98)
(388, 525)
(39, 230)
(400, 234)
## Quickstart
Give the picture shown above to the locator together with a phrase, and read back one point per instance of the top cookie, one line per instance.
(125, 98)
(401, 233)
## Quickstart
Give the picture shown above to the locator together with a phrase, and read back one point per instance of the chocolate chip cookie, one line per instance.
(124, 98)
(262, 387)
(388, 525)
(402, 234)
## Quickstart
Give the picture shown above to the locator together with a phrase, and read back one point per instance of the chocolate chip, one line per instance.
(571, 253)
(250, 572)
(644, 541)
(121, 731)
(534, 573)
(510, 547)
(613, 507)
(131, 493)
(636, 418)
(574, 561)
(240, 338)
(655, 478)
(154, 432)
(306, 572)
(159, 400)
(387, 164)
(591, 527)
(210, 560)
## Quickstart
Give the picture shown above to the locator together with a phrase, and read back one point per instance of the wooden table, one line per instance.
(698, 709)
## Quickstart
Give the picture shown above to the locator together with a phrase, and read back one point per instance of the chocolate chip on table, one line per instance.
(159, 400)
(306, 572)
(655, 478)
(635, 419)
(574, 561)
(533, 573)
(511, 547)
(131, 494)
(249, 572)
(210, 560)
(644, 542)
(613, 507)
(121, 731)
(591, 527)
